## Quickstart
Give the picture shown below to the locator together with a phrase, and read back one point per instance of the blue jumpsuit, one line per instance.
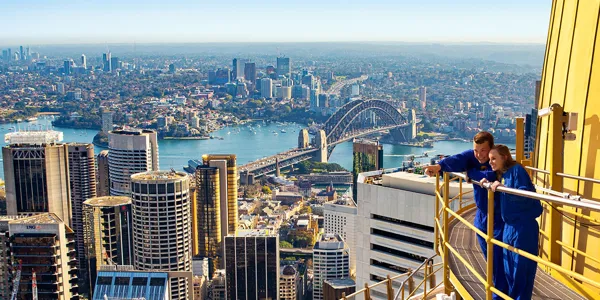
(466, 162)
(521, 230)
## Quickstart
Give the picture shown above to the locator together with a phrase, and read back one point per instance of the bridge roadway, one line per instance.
(336, 88)
(268, 165)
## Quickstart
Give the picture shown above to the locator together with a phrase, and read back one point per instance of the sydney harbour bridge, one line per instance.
(355, 119)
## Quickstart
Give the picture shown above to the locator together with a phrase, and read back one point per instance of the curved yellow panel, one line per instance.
(571, 78)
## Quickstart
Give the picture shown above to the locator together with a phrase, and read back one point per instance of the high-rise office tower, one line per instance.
(206, 214)
(266, 88)
(232, 187)
(103, 187)
(82, 181)
(366, 156)
(284, 66)
(394, 233)
(83, 61)
(114, 63)
(107, 121)
(162, 230)
(46, 245)
(238, 68)
(340, 219)
(288, 283)
(106, 60)
(67, 67)
(108, 238)
(5, 257)
(21, 53)
(36, 174)
(130, 151)
(423, 97)
(250, 72)
(252, 265)
(331, 261)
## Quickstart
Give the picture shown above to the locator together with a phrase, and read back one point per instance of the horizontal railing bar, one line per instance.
(546, 263)
(462, 259)
(501, 294)
(547, 198)
(467, 223)
(580, 215)
(577, 251)
(537, 170)
(593, 180)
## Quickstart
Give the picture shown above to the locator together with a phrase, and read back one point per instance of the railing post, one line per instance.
(460, 192)
(432, 282)
(425, 269)
(411, 283)
(436, 233)
(490, 246)
(446, 234)
(402, 290)
(555, 154)
(390, 289)
(520, 128)
(367, 292)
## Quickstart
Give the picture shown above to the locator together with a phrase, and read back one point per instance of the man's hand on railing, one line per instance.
(432, 170)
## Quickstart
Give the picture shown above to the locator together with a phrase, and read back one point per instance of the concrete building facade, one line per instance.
(162, 225)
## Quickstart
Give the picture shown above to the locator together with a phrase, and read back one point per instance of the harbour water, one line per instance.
(249, 142)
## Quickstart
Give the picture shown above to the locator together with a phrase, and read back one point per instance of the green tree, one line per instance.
(306, 210)
(266, 190)
(285, 244)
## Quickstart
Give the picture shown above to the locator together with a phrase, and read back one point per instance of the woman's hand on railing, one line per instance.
(495, 185)
(490, 185)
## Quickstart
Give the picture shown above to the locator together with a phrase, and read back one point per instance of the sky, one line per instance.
(193, 21)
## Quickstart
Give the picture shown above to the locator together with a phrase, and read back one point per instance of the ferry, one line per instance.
(283, 131)
(32, 119)
(563, 164)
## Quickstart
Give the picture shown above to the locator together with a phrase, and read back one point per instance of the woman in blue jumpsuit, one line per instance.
(521, 230)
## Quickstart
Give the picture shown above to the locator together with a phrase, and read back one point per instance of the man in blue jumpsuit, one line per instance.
(476, 163)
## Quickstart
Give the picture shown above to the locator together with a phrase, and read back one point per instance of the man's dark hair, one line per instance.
(482, 137)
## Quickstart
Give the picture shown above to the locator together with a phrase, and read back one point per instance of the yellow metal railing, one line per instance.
(443, 246)
(405, 283)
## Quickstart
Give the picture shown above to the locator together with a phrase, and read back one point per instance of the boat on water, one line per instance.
(32, 119)
(283, 131)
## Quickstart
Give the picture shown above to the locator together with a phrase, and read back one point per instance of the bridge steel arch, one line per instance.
(342, 119)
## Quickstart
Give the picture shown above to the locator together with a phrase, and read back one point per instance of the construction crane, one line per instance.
(16, 282)
(34, 286)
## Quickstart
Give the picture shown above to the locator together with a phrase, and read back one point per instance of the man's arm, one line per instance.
(478, 175)
(456, 163)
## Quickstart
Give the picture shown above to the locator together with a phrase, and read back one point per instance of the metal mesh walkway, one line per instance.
(465, 242)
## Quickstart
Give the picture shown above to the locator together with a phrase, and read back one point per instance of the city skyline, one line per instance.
(53, 22)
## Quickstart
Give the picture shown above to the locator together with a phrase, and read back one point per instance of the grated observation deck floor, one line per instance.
(465, 242)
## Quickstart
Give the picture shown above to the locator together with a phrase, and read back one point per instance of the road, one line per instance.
(337, 87)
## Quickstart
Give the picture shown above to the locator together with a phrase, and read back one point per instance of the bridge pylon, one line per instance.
(321, 144)
(303, 139)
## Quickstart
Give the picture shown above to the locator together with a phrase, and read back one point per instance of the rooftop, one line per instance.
(108, 201)
(412, 182)
(158, 175)
(131, 131)
(33, 137)
(340, 283)
(253, 233)
(45, 218)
